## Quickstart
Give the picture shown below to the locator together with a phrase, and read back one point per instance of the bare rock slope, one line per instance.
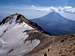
(55, 46)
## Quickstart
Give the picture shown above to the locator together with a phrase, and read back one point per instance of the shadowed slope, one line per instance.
(55, 24)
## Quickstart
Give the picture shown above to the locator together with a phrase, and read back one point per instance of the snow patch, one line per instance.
(12, 40)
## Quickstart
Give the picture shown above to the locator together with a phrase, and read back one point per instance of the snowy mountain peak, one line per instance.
(16, 18)
(19, 36)
(15, 39)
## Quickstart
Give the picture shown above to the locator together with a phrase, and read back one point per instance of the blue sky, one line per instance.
(37, 2)
(8, 7)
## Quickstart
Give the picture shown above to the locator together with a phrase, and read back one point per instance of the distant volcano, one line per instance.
(55, 24)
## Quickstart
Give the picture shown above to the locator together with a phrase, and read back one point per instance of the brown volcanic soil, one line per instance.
(53, 45)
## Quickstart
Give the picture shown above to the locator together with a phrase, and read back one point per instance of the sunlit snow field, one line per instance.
(12, 37)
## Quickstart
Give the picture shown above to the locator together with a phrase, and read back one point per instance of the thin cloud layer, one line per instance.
(33, 11)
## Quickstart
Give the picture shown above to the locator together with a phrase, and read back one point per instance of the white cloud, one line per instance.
(68, 13)
(33, 11)
(70, 10)
(29, 11)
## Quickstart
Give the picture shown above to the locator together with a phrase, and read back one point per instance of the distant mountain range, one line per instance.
(55, 24)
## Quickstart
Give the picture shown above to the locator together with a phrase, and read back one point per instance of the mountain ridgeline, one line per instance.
(52, 24)
(19, 19)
